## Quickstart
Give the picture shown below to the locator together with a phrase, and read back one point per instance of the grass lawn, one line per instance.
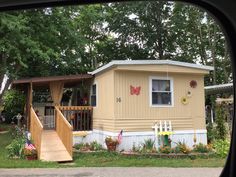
(6, 139)
(104, 159)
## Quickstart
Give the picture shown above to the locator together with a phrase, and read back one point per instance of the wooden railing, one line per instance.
(36, 129)
(64, 130)
(80, 117)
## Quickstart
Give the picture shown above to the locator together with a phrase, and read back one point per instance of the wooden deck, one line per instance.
(52, 148)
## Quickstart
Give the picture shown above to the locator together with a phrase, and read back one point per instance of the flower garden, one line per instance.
(218, 148)
(94, 155)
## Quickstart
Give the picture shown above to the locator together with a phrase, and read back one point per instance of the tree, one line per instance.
(221, 130)
(142, 28)
(38, 42)
(200, 39)
(73, 40)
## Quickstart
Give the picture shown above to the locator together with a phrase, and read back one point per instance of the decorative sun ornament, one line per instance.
(184, 100)
(193, 83)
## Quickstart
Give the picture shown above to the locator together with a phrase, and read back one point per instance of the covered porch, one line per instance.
(70, 93)
(56, 106)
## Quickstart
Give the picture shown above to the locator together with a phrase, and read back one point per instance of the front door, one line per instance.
(49, 118)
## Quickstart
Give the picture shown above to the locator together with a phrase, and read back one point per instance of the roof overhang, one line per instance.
(115, 63)
(217, 89)
(68, 80)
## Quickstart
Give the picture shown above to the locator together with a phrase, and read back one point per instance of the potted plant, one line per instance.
(30, 154)
(111, 143)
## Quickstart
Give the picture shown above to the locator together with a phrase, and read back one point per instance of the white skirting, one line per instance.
(130, 139)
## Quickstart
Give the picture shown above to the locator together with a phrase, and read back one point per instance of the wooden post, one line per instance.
(29, 104)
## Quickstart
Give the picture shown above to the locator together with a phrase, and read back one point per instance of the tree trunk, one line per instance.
(5, 88)
(226, 61)
(213, 48)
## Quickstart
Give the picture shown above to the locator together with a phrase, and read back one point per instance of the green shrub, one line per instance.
(182, 147)
(221, 147)
(221, 131)
(78, 146)
(15, 149)
(13, 102)
(201, 148)
(17, 132)
(95, 146)
(135, 148)
(211, 133)
(148, 145)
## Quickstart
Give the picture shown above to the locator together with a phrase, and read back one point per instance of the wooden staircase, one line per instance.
(52, 148)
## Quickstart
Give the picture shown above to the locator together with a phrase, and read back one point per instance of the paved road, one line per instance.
(113, 172)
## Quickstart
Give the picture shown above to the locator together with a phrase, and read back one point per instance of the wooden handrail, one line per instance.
(75, 108)
(80, 117)
(36, 129)
(64, 130)
(62, 117)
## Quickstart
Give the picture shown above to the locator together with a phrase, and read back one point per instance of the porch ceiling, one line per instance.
(69, 80)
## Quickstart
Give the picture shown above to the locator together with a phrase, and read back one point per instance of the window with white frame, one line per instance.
(94, 95)
(161, 91)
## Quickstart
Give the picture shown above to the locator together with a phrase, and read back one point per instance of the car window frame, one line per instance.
(223, 12)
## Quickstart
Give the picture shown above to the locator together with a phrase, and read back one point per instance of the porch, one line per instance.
(53, 114)
(79, 117)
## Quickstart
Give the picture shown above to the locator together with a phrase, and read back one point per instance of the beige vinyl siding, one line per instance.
(103, 113)
(134, 113)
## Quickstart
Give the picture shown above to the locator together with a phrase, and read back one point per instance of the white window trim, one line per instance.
(94, 83)
(171, 90)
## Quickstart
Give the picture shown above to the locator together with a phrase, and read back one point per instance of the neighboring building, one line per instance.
(129, 95)
(224, 97)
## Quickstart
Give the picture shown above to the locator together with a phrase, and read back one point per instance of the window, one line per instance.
(94, 95)
(161, 91)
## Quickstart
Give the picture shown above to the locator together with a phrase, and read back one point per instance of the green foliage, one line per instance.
(202, 148)
(93, 146)
(6, 162)
(211, 133)
(108, 159)
(74, 40)
(13, 102)
(148, 145)
(221, 131)
(78, 146)
(221, 147)
(15, 149)
(135, 148)
(182, 147)
(17, 132)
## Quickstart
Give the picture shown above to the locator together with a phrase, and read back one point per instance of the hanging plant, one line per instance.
(189, 93)
(193, 83)
(184, 100)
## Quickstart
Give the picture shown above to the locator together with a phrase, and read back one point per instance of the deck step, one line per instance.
(52, 148)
